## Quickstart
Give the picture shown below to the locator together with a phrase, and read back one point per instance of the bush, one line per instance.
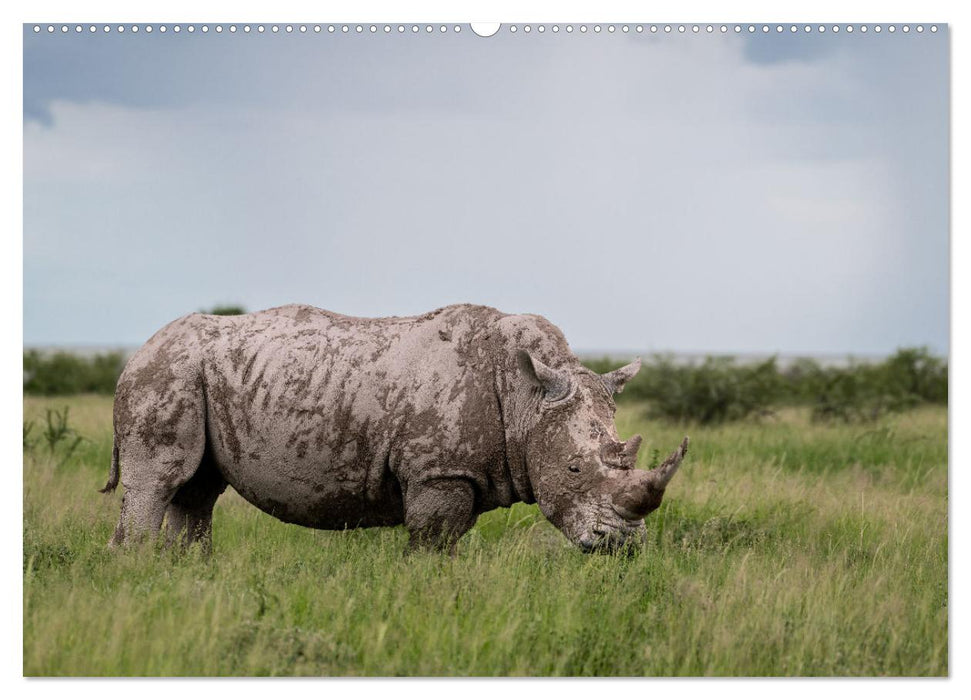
(225, 310)
(716, 390)
(863, 392)
(719, 389)
(64, 373)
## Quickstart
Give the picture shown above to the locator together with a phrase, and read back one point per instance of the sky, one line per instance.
(673, 192)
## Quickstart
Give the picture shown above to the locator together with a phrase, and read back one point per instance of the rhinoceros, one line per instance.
(335, 422)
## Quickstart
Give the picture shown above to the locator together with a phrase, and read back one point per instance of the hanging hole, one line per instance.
(485, 29)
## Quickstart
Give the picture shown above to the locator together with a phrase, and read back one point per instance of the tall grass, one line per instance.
(783, 547)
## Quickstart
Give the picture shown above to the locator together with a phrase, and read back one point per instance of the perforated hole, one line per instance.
(490, 29)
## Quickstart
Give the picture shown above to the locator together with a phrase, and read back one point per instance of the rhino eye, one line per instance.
(574, 468)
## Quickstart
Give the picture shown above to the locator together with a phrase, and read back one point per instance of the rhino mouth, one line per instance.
(612, 540)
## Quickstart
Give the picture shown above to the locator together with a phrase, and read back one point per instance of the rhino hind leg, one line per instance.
(188, 518)
(161, 437)
(141, 516)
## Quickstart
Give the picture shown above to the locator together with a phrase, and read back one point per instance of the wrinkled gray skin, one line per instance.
(335, 422)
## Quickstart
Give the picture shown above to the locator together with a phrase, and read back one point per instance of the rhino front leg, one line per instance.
(438, 513)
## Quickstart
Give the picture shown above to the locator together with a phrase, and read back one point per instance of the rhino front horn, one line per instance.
(661, 475)
(642, 491)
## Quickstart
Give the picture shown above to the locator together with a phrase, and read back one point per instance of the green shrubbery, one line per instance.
(63, 373)
(867, 391)
(225, 310)
(721, 389)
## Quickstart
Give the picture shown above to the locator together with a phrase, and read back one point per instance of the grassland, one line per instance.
(784, 547)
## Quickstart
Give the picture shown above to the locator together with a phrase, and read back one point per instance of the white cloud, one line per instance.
(640, 196)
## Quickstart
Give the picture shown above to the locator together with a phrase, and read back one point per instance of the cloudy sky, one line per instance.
(767, 193)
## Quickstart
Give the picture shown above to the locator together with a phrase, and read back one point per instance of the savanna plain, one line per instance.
(784, 546)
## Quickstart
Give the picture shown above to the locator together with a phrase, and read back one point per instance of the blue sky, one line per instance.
(772, 193)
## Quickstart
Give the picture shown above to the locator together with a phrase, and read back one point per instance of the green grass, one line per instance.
(784, 547)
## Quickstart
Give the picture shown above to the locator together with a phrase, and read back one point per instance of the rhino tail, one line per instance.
(113, 474)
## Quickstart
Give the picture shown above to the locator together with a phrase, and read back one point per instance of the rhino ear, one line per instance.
(554, 383)
(615, 381)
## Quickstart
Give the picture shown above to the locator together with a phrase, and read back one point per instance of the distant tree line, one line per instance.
(721, 389)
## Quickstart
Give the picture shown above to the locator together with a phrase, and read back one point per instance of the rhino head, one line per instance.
(583, 477)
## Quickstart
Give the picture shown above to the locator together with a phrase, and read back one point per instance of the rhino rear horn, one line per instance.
(554, 383)
(621, 454)
(615, 381)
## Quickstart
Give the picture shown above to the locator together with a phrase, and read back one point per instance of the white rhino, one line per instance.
(335, 422)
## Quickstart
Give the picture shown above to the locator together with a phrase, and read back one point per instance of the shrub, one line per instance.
(862, 392)
(719, 389)
(715, 391)
(225, 310)
(64, 373)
